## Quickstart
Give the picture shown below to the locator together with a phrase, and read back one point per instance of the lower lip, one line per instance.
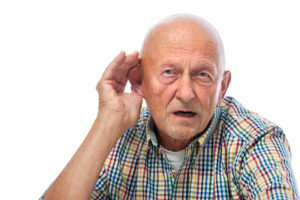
(185, 117)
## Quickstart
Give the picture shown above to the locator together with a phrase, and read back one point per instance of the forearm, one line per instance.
(118, 111)
(78, 178)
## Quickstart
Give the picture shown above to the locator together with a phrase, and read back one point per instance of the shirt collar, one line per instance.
(202, 139)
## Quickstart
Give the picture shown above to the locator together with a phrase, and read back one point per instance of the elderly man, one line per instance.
(190, 143)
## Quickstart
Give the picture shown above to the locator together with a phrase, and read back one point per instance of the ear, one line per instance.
(135, 78)
(224, 85)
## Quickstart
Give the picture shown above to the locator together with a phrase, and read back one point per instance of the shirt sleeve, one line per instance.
(101, 187)
(266, 171)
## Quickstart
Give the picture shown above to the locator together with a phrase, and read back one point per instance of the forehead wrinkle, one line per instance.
(178, 61)
(209, 51)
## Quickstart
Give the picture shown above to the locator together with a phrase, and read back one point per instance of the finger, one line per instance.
(131, 61)
(119, 58)
(117, 61)
(119, 73)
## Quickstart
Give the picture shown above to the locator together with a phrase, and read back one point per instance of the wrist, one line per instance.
(116, 119)
(110, 125)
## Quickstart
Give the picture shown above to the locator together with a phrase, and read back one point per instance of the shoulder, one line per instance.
(259, 152)
(247, 126)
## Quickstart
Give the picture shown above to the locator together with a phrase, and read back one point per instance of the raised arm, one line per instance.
(118, 111)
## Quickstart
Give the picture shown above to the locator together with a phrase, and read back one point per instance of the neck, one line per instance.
(172, 144)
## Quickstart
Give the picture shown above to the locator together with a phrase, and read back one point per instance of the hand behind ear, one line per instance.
(135, 78)
(114, 103)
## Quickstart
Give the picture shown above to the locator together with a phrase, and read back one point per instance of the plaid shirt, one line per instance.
(240, 156)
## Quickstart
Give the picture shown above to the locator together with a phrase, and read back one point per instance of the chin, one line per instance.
(183, 133)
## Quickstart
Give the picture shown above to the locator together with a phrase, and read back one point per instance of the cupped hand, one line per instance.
(123, 108)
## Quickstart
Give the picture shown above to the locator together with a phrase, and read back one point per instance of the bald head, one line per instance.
(188, 30)
(182, 71)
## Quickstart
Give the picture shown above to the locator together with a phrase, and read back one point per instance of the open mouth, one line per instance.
(185, 114)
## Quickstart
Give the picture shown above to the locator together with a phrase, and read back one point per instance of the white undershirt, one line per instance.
(175, 158)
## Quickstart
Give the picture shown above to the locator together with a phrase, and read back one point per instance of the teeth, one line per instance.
(185, 114)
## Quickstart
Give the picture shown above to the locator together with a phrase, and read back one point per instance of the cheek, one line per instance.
(154, 91)
(158, 96)
(152, 94)
(208, 97)
(167, 94)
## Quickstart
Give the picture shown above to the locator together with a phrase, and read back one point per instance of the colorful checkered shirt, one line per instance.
(240, 156)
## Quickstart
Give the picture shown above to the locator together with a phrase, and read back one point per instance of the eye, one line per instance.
(204, 77)
(168, 75)
(203, 74)
(168, 72)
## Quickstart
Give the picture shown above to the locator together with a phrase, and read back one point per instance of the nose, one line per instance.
(185, 91)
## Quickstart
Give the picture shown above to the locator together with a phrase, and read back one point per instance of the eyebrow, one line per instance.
(203, 65)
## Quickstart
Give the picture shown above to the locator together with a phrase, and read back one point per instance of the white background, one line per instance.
(52, 54)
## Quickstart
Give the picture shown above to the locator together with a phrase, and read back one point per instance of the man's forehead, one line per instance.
(182, 34)
(183, 31)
